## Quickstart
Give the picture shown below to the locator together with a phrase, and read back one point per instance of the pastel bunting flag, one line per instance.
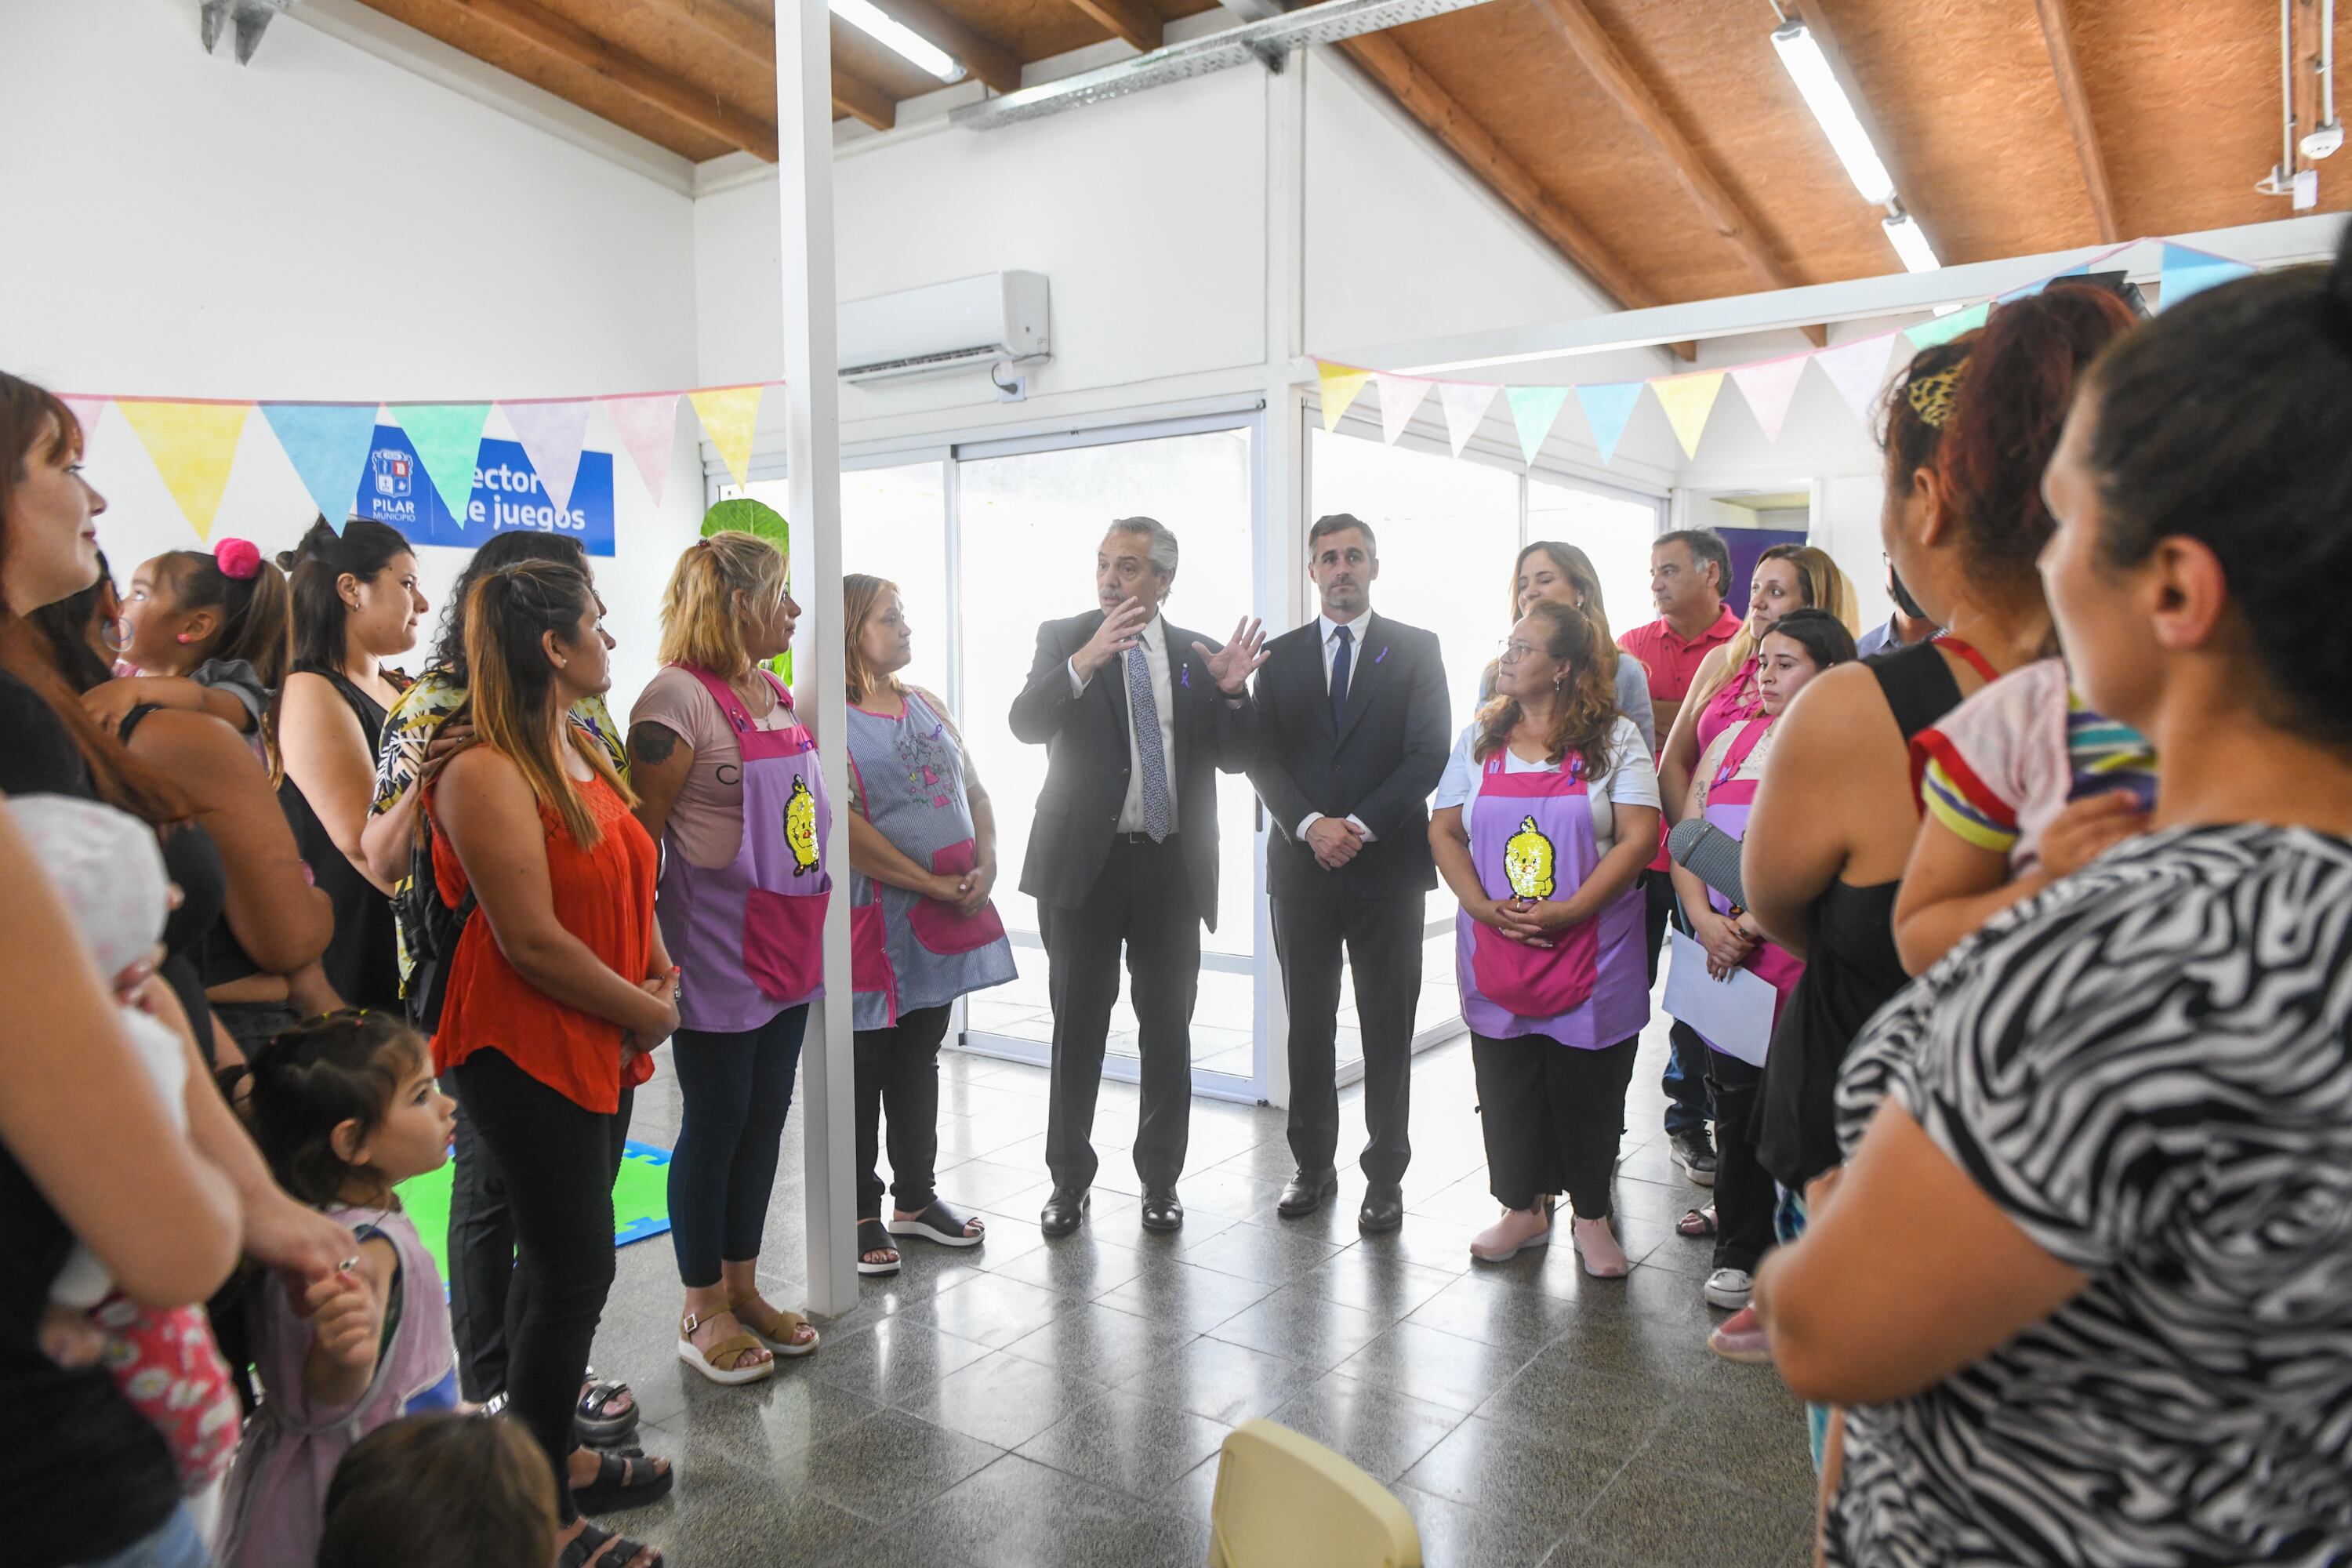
(551, 435)
(86, 411)
(448, 441)
(328, 443)
(1607, 408)
(1769, 387)
(648, 426)
(730, 415)
(1858, 370)
(1945, 328)
(1400, 398)
(1338, 384)
(1533, 410)
(2186, 272)
(1688, 400)
(194, 446)
(1465, 404)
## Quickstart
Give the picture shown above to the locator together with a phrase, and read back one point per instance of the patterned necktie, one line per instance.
(1340, 666)
(1144, 713)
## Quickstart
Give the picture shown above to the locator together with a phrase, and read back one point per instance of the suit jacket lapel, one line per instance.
(1366, 657)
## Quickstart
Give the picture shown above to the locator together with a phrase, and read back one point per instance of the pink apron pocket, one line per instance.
(1531, 983)
(783, 942)
(869, 954)
(941, 928)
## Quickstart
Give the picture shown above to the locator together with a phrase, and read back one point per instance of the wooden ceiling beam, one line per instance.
(989, 60)
(1133, 20)
(682, 101)
(986, 58)
(855, 95)
(1385, 61)
(2057, 31)
(1599, 53)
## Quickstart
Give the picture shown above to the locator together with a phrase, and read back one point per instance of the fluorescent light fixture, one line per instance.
(1825, 96)
(898, 39)
(1910, 242)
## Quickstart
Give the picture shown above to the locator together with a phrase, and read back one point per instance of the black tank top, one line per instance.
(1852, 968)
(362, 964)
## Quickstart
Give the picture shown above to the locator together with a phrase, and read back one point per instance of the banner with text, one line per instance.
(508, 495)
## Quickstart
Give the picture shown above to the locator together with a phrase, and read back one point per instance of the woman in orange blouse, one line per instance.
(555, 998)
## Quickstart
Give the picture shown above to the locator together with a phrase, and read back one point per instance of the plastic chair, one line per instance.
(1286, 1501)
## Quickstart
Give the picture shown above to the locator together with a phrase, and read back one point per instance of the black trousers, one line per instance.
(1684, 1079)
(1552, 1116)
(1744, 1194)
(735, 1092)
(1381, 938)
(556, 1161)
(1142, 901)
(482, 1258)
(898, 1073)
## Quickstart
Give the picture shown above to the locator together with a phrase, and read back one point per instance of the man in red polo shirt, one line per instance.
(1688, 573)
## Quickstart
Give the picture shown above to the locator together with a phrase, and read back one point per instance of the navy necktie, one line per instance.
(1340, 667)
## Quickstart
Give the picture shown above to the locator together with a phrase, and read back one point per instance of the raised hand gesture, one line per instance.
(1117, 634)
(1232, 665)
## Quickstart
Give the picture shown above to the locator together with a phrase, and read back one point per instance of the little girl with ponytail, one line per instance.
(208, 632)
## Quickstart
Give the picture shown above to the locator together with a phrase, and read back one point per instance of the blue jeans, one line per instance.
(176, 1545)
(1688, 1104)
(734, 1092)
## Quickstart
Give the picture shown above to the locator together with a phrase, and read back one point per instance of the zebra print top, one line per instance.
(2148, 1069)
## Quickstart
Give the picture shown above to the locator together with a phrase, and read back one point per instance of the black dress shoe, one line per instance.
(1064, 1208)
(1304, 1193)
(1384, 1209)
(1162, 1211)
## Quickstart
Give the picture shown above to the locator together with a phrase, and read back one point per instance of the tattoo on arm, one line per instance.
(652, 743)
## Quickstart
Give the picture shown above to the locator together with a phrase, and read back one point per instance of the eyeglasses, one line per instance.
(1510, 650)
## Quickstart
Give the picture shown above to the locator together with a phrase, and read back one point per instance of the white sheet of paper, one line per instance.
(1735, 1014)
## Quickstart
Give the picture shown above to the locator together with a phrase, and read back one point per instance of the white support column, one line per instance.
(1280, 540)
(813, 456)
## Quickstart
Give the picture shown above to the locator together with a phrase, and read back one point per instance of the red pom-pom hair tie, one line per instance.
(236, 558)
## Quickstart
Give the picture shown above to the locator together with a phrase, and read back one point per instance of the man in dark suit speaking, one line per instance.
(1136, 717)
(1353, 735)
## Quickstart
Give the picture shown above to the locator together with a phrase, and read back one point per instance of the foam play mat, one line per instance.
(640, 1202)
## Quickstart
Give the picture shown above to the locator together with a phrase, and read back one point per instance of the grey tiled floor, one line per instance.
(1030, 1403)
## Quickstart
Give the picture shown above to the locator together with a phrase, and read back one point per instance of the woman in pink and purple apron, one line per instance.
(1547, 813)
(728, 782)
(1800, 646)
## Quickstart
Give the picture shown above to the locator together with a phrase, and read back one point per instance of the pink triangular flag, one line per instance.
(551, 435)
(648, 429)
(86, 410)
(1400, 398)
(1769, 387)
(1858, 370)
(1465, 404)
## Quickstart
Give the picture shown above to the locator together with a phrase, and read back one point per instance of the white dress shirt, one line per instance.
(1153, 643)
(1330, 630)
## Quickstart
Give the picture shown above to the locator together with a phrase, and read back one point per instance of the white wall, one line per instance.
(321, 225)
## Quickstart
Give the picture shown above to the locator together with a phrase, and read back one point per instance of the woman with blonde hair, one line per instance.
(1548, 569)
(1724, 691)
(922, 854)
(1545, 816)
(556, 997)
(728, 781)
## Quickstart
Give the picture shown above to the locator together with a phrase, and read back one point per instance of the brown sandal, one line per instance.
(776, 1332)
(725, 1361)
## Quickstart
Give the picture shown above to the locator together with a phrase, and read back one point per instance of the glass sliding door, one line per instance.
(1028, 520)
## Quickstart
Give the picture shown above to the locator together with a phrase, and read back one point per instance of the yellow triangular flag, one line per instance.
(1340, 384)
(729, 416)
(194, 446)
(1688, 400)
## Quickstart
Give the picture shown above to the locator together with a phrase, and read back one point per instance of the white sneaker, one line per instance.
(1729, 1288)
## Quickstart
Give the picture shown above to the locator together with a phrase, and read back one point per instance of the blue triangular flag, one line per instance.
(2188, 272)
(1607, 408)
(328, 445)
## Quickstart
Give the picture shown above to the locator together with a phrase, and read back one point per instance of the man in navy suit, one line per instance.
(1137, 716)
(1352, 734)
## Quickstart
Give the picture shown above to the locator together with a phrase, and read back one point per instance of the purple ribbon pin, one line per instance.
(1383, 653)
(1187, 681)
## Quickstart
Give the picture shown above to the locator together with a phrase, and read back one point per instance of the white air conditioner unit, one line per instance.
(972, 322)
